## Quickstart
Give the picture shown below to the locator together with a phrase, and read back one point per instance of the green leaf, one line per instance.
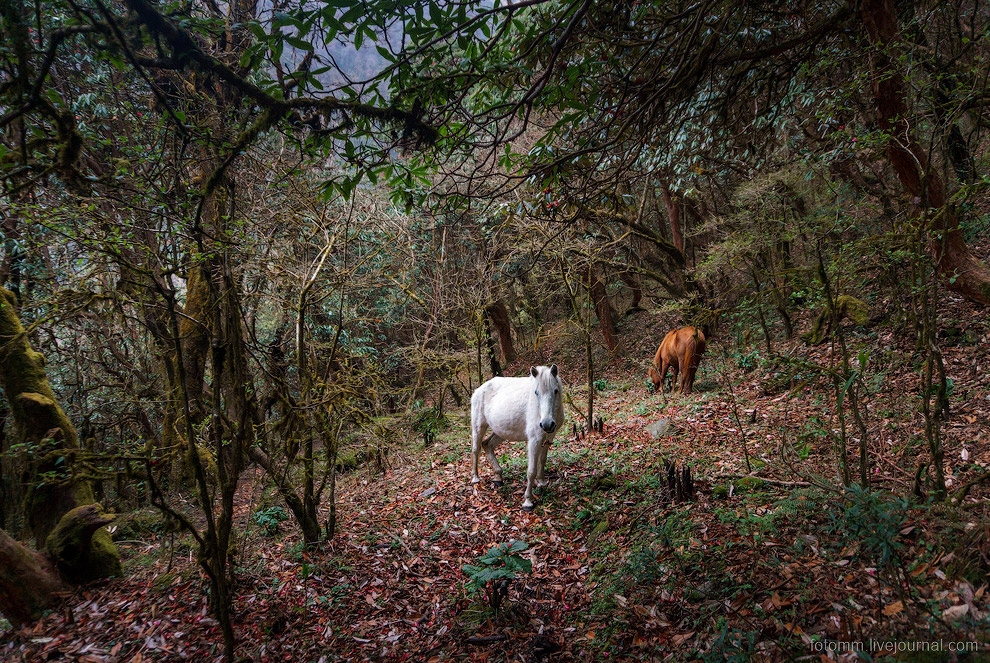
(517, 546)
(300, 44)
(385, 53)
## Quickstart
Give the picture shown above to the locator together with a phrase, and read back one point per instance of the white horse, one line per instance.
(528, 409)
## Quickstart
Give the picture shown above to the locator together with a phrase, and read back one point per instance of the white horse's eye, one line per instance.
(537, 392)
(556, 391)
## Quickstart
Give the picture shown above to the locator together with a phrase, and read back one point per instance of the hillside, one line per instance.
(779, 567)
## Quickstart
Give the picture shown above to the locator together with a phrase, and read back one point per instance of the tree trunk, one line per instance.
(6, 483)
(965, 273)
(674, 217)
(498, 314)
(636, 287)
(307, 521)
(490, 347)
(194, 335)
(603, 308)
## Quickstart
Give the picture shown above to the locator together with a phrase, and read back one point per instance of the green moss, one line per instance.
(846, 306)
(749, 485)
(104, 560)
(23, 378)
(206, 460)
(47, 502)
(163, 580)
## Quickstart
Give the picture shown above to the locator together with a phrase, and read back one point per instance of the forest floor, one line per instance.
(780, 567)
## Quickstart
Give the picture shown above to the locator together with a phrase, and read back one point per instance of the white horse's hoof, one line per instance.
(498, 483)
(529, 508)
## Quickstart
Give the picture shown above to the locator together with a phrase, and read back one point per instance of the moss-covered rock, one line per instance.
(82, 547)
(854, 309)
(47, 502)
(846, 306)
(138, 524)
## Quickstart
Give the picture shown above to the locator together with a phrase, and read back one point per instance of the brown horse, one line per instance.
(680, 350)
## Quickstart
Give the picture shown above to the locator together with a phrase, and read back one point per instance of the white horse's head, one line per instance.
(547, 390)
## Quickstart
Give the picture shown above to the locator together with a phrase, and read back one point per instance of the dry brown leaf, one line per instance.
(894, 608)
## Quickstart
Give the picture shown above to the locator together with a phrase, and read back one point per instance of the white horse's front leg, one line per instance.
(541, 480)
(533, 453)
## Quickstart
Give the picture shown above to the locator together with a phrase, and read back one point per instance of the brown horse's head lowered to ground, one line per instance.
(680, 350)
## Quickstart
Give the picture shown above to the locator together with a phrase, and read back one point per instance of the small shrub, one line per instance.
(430, 422)
(747, 361)
(496, 570)
(270, 518)
(601, 384)
(874, 519)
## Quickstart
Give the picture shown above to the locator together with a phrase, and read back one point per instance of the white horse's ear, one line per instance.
(553, 370)
(533, 371)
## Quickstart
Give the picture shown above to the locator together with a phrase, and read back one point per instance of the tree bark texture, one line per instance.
(636, 287)
(194, 335)
(966, 274)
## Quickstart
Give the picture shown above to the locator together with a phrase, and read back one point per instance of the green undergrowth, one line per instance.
(699, 567)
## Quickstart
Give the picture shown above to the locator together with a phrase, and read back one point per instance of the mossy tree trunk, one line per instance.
(55, 487)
